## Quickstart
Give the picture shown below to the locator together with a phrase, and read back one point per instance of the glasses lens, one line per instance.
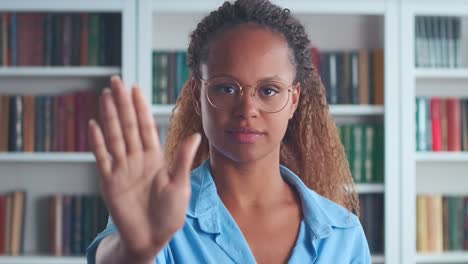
(225, 92)
(272, 96)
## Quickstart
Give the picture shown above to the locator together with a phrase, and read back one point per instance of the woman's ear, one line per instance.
(195, 91)
(296, 94)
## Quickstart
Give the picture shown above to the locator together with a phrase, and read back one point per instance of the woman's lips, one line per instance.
(245, 135)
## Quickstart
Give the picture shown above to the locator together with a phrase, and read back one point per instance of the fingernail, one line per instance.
(106, 91)
(92, 121)
(115, 78)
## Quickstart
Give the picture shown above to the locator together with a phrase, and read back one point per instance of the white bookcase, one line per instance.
(427, 172)
(149, 25)
(332, 25)
(42, 174)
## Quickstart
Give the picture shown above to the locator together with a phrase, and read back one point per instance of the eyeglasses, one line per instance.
(226, 92)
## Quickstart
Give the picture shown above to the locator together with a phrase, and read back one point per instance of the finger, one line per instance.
(148, 132)
(127, 116)
(98, 147)
(184, 156)
(112, 129)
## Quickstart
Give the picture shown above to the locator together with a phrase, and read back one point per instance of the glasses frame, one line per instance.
(254, 91)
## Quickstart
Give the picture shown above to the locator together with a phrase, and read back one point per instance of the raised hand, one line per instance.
(147, 200)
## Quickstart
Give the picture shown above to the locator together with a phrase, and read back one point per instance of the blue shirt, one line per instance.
(328, 232)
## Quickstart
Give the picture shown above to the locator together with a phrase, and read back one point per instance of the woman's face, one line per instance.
(250, 55)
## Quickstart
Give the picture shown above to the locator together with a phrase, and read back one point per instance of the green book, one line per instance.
(422, 104)
(378, 154)
(358, 134)
(455, 223)
(93, 39)
(368, 142)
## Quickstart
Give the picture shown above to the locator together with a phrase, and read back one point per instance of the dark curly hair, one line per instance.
(311, 146)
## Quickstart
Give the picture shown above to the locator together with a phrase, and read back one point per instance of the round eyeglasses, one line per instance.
(226, 92)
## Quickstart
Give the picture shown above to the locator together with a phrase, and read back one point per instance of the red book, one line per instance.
(80, 116)
(70, 122)
(453, 124)
(2, 224)
(24, 39)
(91, 112)
(436, 112)
(30, 34)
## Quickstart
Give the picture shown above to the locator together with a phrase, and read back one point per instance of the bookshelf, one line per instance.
(352, 25)
(426, 172)
(42, 174)
(42, 259)
(59, 71)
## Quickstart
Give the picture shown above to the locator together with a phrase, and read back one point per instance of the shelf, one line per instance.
(359, 7)
(442, 156)
(449, 257)
(441, 73)
(58, 71)
(357, 110)
(380, 259)
(47, 157)
(370, 188)
(63, 6)
(342, 110)
(41, 259)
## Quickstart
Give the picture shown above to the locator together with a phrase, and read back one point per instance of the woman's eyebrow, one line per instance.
(271, 78)
(264, 79)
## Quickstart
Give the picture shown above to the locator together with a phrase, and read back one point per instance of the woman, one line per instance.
(254, 101)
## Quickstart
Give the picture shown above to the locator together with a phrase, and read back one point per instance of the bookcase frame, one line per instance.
(389, 10)
(127, 69)
(410, 158)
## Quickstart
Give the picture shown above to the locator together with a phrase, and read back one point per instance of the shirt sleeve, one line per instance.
(163, 257)
(91, 250)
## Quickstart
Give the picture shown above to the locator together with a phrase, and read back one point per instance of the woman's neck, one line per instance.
(248, 185)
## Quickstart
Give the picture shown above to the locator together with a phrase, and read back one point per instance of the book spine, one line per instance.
(453, 124)
(436, 124)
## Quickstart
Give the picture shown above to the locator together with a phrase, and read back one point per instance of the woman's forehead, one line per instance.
(248, 52)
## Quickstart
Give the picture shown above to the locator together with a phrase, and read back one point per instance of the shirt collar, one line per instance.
(320, 214)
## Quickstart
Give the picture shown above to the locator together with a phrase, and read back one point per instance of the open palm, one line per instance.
(146, 199)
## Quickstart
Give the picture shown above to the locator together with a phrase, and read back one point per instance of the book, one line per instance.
(17, 222)
(421, 224)
(453, 124)
(4, 122)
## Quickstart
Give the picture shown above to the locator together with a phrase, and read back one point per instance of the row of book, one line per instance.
(438, 42)
(74, 221)
(170, 72)
(60, 39)
(442, 223)
(364, 147)
(44, 123)
(12, 209)
(351, 77)
(441, 124)
(372, 220)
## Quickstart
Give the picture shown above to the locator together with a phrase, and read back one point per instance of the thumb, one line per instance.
(184, 155)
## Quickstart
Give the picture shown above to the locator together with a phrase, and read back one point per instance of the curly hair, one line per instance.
(311, 146)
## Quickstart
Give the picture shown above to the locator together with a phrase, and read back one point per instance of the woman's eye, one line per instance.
(226, 89)
(269, 91)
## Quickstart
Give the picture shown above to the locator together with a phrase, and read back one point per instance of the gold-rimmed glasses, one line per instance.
(269, 96)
